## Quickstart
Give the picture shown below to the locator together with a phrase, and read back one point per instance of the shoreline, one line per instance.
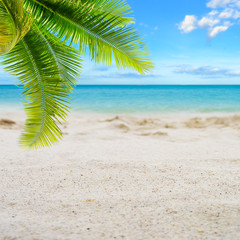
(20, 110)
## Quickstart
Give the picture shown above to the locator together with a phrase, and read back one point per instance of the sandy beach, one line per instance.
(124, 177)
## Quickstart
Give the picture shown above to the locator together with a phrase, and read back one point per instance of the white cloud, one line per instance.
(220, 3)
(188, 24)
(229, 13)
(215, 20)
(215, 31)
(207, 22)
(213, 13)
(226, 13)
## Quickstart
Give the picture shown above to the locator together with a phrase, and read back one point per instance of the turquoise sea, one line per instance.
(131, 99)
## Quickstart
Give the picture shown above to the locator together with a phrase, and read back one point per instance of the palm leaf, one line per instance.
(114, 8)
(14, 23)
(6, 30)
(48, 70)
(81, 23)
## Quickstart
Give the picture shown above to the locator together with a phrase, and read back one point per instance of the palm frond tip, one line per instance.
(48, 70)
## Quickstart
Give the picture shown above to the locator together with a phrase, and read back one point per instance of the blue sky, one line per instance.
(190, 41)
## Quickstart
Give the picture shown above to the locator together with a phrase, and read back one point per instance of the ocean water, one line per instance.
(137, 99)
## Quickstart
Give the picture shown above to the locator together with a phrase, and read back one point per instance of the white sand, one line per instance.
(132, 177)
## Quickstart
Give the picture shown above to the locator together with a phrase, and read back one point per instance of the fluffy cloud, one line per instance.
(220, 3)
(229, 13)
(207, 22)
(188, 24)
(223, 14)
(213, 13)
(213, 32)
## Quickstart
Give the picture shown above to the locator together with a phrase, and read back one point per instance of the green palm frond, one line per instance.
(114, 8)
(37, 39)
(110, 8)
(6, 30)
(14, 23)
(48, 70)
(100, 33)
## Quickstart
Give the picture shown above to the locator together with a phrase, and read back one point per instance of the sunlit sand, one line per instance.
(124, 177)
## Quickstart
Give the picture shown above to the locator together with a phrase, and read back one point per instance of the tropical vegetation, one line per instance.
(42, 43)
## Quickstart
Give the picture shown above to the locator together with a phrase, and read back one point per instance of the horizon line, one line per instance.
(139, 85)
